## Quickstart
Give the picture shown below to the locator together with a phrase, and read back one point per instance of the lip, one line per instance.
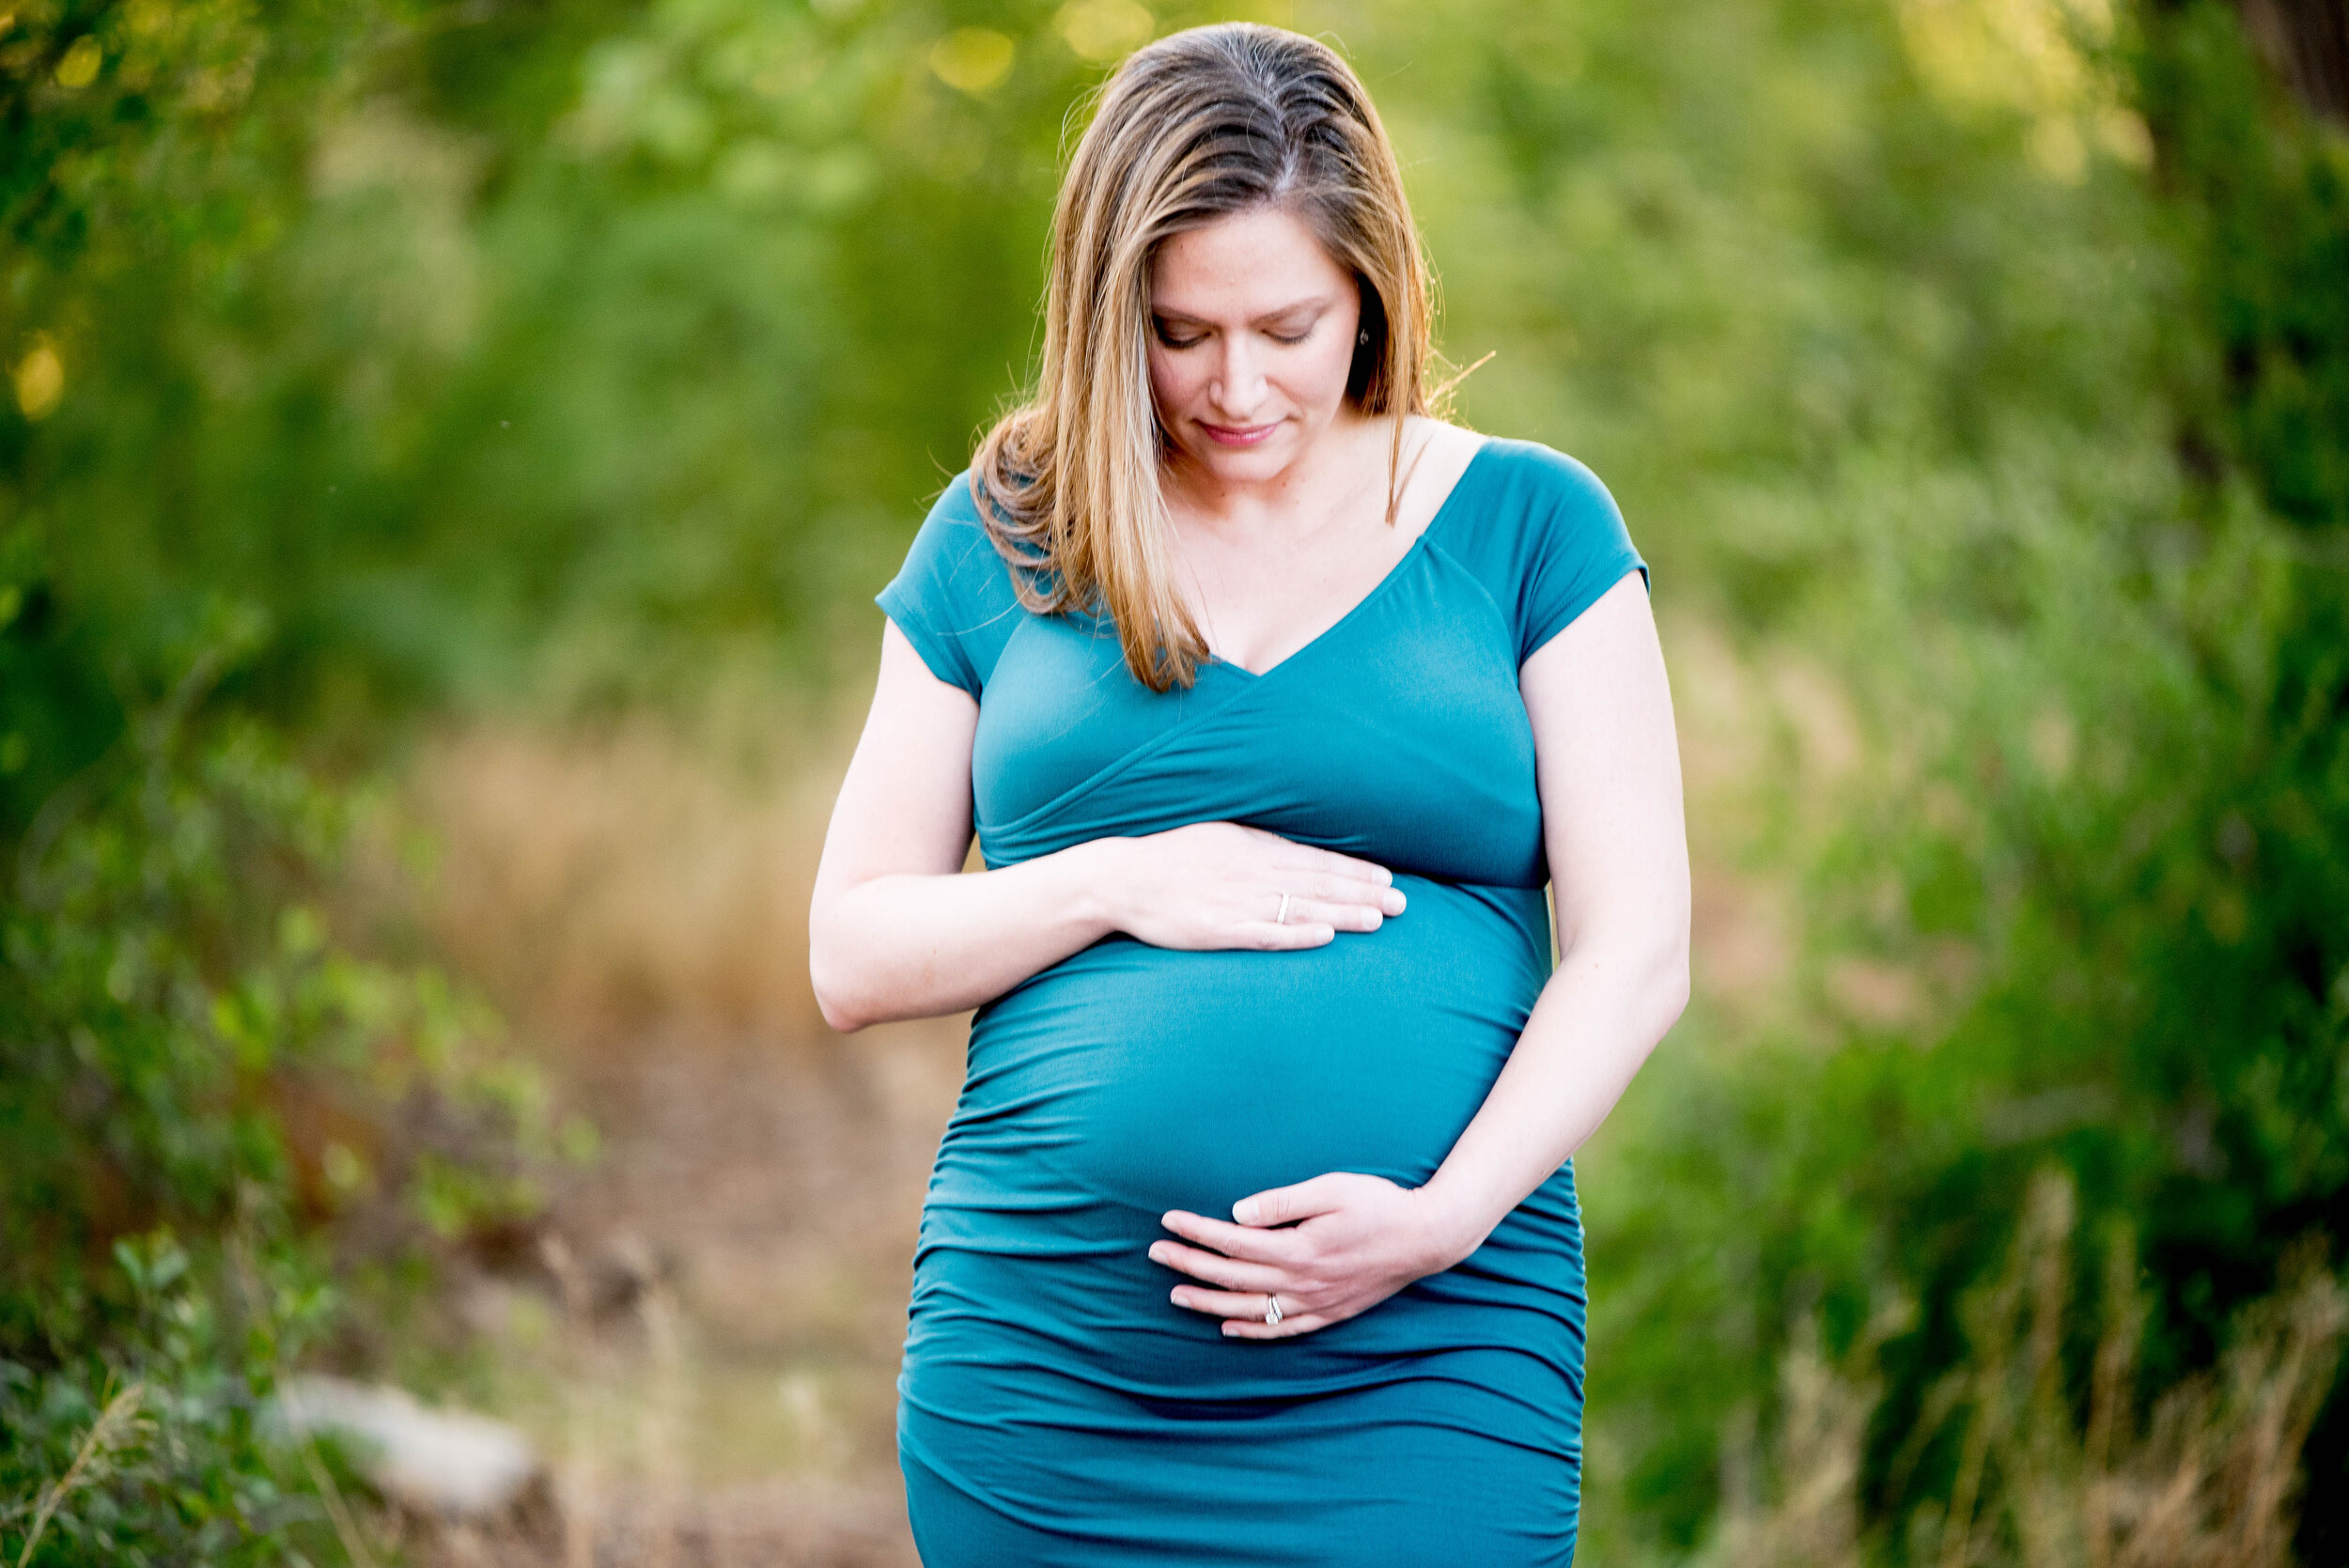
(1249, 435)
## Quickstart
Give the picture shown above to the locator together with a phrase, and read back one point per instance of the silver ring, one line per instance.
(1282, 918)
(1272, 1310)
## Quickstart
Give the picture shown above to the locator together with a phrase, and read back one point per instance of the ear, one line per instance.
(1370, 344)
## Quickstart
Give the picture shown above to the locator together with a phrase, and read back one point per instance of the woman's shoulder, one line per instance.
(1518, 499)
(952, 598)
(954, 527)
(955, 551)
(952, 517)
(1543, 481)
(1542, 533)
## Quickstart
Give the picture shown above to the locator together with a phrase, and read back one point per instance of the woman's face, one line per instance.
(1251, 338)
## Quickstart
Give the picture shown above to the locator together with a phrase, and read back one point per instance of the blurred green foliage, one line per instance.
(1992, 360)
(194, 1077)
(158, 1452)
(2068, 537)
(194, 1072)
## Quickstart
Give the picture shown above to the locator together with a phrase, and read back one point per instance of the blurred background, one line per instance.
(447, 451)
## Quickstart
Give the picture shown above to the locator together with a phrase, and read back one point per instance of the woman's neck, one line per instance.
(1332, 478)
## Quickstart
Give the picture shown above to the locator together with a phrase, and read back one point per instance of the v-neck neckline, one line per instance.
(1378, 589)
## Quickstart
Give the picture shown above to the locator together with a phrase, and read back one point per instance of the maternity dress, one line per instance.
(1055, 1407)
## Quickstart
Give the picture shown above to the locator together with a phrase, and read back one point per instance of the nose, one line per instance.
(1237, 387)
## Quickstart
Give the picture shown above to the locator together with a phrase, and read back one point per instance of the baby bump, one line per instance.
(1146, 1078)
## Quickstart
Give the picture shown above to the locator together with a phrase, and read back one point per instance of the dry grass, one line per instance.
(607, 887)
(1745, 925)
(2205, 1480)
(117, 1427)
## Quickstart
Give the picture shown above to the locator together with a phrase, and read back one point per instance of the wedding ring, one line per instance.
(1282, 918)
(1272, 1310)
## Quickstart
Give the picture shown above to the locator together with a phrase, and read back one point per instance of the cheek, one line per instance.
(1323, 368)
(1173, 382)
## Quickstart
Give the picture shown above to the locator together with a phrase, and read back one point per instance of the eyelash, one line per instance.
(1194, 342)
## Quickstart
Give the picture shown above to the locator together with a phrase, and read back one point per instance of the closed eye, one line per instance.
(1174, 340)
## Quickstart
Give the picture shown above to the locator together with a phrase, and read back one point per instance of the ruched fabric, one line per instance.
(1055, 1407)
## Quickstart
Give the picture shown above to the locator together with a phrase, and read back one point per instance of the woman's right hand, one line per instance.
(1219, 885)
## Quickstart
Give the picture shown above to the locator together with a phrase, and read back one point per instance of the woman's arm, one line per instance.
(895, 930)
(1609, 772)
(1608, 764)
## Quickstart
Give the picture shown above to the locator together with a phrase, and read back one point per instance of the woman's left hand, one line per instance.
(1330, 1247)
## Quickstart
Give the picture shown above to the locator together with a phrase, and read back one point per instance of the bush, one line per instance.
(2082, 899)
(195, 1076)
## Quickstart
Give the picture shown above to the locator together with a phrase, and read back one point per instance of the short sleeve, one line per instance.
(952, 598)
(1572, 549)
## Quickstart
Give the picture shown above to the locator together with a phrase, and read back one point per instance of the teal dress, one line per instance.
(1055, 1406)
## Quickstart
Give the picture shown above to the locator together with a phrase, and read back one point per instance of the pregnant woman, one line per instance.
(1275, 702)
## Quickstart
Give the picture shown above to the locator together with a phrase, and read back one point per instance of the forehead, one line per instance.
(1247, 264)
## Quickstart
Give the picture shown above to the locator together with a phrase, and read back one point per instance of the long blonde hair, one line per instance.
(1199, 125)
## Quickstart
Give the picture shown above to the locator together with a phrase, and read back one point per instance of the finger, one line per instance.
(1326, 888)
(1242, 1305)
(1281, 1205)
(1234, 1241)
(1333, 874)
(1365, 916)
(1294, 856)
(1274, 938)
(1288, 1328)
(1296, 907)
(1347, 866)
(1217, 1270)
(1322, 887)
(1328, 882)
(1383, 896)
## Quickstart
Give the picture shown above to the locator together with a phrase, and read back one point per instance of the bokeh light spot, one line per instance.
(79, 67)
(971, 59)
(1104, 29)
(40, 378)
